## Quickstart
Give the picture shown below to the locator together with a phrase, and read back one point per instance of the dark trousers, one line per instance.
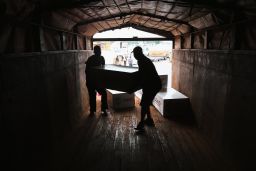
(146, 100)
(92, 98)
(145, 110)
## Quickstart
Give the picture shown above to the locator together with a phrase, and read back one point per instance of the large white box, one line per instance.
(120, 78)
(170, 102)
(120, 100)
(164, 81)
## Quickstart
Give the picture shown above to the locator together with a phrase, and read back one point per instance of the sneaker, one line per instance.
(140, 126)
(149, 122)
(92, 114)
(104, 113)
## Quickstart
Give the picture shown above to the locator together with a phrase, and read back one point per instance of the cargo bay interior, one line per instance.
(44, 102)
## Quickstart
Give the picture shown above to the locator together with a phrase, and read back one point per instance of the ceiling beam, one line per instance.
(132, 13)
(98, 16)
(117, 6)
(108, 11)
(85, 13)
(173, 5)
(69, 4)
(128, 5)
(163, 33)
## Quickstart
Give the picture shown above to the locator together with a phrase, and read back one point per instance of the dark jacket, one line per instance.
(149, 78)
(92, 61)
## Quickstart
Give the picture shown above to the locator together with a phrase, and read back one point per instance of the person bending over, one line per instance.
(150, 83)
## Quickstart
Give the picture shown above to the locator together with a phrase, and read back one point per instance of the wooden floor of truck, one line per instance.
(111, 143)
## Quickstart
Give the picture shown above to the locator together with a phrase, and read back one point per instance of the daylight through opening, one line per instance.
(118, 44)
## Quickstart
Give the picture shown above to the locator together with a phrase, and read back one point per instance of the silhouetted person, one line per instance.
(93, 61)
(150, 83)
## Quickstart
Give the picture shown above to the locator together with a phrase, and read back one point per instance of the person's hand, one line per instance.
(130, 91)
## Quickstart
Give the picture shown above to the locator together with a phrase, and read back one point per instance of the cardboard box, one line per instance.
(169, 103)
(121, 78)
(114, 77)
(120, 100)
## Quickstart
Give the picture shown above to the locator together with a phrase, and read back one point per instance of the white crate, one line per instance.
(164, 80)
(170, 102)
(120, 100)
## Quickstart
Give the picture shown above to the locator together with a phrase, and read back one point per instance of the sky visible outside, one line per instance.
(125, 33)
(121, 50)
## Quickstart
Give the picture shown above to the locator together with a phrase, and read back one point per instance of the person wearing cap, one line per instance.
(93, 61)
(150, 83)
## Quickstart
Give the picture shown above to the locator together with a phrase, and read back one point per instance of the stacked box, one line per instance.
(120, 100)
(170, 102)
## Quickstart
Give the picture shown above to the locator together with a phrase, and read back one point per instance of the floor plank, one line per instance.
(111, 143)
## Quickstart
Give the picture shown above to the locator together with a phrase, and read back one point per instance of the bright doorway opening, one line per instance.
(118, 44)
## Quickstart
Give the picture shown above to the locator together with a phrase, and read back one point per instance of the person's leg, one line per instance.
(148, 113)
(104, 101)
(144, 111)
(149, 121)
(92, 99)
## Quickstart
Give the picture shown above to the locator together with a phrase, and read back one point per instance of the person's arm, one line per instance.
(136, 82)
(102, 60)
(87, 65)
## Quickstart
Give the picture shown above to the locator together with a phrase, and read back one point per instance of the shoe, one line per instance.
(104, 113)
(92, 114)
(149, 122)
(140, 126)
